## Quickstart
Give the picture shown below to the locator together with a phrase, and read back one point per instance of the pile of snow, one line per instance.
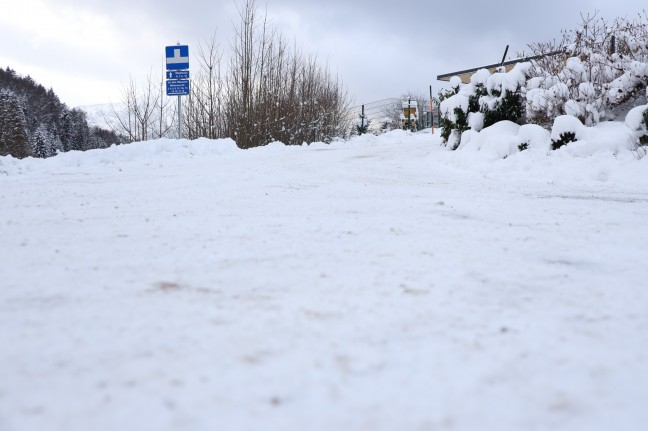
(612, 136)
(505, 138)
(381, 283)
(155, 151)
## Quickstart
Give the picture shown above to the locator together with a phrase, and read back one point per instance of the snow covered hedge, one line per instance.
(597, 72)
(637, 122)
(486, 100)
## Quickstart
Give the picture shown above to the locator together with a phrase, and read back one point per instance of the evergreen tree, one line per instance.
(40, 109)
(65, 130)
(54, 139)
(14, 139)
(40, 146)
(79, 130)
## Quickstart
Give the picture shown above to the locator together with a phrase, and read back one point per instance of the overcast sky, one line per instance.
(87, 49)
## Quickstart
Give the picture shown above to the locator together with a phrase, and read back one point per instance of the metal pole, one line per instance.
(504, 56)
(179, 117)
(362, 121)
(409, 107)
(431, 110)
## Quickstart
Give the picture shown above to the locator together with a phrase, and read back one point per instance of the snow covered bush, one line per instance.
(454, 104)
(643, 139)
(566, 129)
(503, 98)
(504, 139)
(486, 100)
(570, 136)
(637, 122)
(591, 74)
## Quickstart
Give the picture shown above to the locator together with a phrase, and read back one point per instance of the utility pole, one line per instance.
(431, 110)
(409, 107)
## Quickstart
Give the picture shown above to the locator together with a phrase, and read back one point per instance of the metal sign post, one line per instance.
(179, 117)
(177, 65)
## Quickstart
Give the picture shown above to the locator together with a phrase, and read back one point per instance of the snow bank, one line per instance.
(496, 141)
(613, 137)
(506, 138)
(525, 145)
(380, 283)
(117, 155)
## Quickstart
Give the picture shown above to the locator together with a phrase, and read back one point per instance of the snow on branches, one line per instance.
(592, 73)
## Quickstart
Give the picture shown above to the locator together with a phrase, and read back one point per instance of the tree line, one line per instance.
(34, 122)
(267, 90)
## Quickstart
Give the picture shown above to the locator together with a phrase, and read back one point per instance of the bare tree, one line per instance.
(590, 72)
(266, 92)
(205, 104)
(274, 93)
(165, 114)
(137, 117)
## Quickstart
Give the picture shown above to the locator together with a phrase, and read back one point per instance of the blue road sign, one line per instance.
(177, 74)
(177, 57)
(177, 87)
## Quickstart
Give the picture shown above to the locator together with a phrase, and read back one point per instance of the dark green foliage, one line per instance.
(461, 120)
(40, 148)
(65, 131)
(446, 128)
(363, 127)
(29, 109)
(79, 129)
(473, 99)
(14, 137)
(523, 146)
(643, 140)
(508, 108)
(446, 94)
(564, 139)
(102, 138)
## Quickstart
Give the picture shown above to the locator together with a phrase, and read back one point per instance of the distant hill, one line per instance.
(101, 115)
(34, 122)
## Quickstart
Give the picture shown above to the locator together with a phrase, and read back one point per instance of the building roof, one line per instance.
(465, 75)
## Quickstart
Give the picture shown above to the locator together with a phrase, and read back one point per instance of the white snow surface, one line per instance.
(382, 283)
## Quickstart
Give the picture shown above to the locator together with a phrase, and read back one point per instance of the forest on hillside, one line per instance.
(34, 122)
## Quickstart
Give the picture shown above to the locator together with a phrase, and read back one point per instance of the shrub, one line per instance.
(564, 139)
(592, 73)
(643, 139)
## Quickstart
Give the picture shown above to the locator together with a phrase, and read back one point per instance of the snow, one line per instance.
(634, 119)
(574, 109)
(613, 136)
(480, 77)
(449, 105)
(381, 283)
(101, 115)
(509, 81)
(497, 141)
(567, 124)
(476, 121)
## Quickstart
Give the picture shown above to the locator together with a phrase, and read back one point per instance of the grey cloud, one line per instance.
(370, 43)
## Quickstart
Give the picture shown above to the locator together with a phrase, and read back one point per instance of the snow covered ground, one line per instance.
(378, 284)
